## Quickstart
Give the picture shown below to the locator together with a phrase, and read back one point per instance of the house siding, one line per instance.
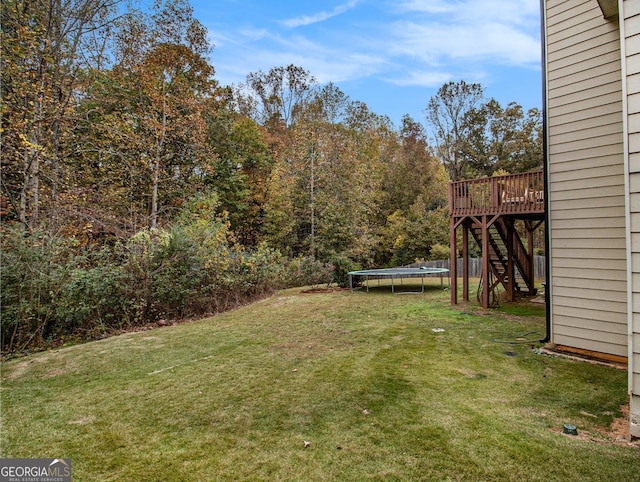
(586, 178)
(631, 15)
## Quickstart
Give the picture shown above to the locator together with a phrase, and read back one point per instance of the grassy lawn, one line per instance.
(363, 377)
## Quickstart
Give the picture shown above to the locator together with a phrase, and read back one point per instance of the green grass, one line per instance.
(363, 377)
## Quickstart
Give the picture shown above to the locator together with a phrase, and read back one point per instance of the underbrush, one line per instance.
(56, 289)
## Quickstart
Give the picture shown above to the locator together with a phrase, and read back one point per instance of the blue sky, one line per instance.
(391, 54)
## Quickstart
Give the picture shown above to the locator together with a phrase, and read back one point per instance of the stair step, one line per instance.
(497, 236)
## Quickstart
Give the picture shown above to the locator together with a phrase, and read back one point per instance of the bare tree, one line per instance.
(281, 94)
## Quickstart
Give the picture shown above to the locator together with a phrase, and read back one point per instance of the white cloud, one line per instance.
(326, 65)
(487, 42)
(320, 16)
(475, 11)
(425, 78)
(426, 6)
(326, 62)
(499, 32)
(254, 34)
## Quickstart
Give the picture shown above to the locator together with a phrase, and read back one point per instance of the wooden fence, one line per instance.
(475, 266)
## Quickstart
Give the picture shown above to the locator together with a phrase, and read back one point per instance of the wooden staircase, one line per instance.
(499, 234)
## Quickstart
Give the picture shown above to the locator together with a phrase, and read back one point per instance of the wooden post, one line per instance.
(485, 263)
(465, 262)
(530, 260)
(511, 272)
(453, 271)
(495, 195)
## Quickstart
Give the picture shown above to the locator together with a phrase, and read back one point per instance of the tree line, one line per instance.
(142, 189)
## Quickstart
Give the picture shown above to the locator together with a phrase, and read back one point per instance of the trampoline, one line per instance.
(398, 273)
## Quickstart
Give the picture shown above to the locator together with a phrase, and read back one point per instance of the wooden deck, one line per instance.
(516, 194)
(486, 210)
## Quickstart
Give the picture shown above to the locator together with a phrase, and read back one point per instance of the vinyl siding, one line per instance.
(586, 174)
(632, 65)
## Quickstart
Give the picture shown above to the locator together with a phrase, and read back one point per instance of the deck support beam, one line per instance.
(530, 230)
(453, 264)
(486, 263)
(465, 264)
(511, 271)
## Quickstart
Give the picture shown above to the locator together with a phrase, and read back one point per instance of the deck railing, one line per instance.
(511, 194)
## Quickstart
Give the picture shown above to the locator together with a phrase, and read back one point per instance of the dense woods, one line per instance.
(136, 188)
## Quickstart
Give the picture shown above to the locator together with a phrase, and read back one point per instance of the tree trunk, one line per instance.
(313, 205)
(154, 194)
(156, 167)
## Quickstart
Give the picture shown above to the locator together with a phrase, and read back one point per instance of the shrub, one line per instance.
(342, 265)
(439, 251)
(53, 288)
(265, 266)
(92, 300)
(307, 271)
(35, 269)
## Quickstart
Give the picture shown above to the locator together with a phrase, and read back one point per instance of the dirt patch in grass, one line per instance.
(616, 434)
(284, 300)
(55, 373)
(470, 373)
(317, 290)
(19, 369)
(324, 290)
(321, 343)
(619, 429)
(82, 420)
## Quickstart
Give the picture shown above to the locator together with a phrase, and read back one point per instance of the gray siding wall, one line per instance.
(586, 173)
(632, 65)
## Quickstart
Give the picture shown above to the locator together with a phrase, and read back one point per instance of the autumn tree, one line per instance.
(280, 220)
(414, 189)
(413, 170)
(45, 47)
(275, 98)
(514, 138)
(476, 136)
(324, 187)
(410, 235)
(450, 114)
(147, 115)
(173, 80)
(239, 170)
(502, 139)
(326, 158)
(332, 103)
